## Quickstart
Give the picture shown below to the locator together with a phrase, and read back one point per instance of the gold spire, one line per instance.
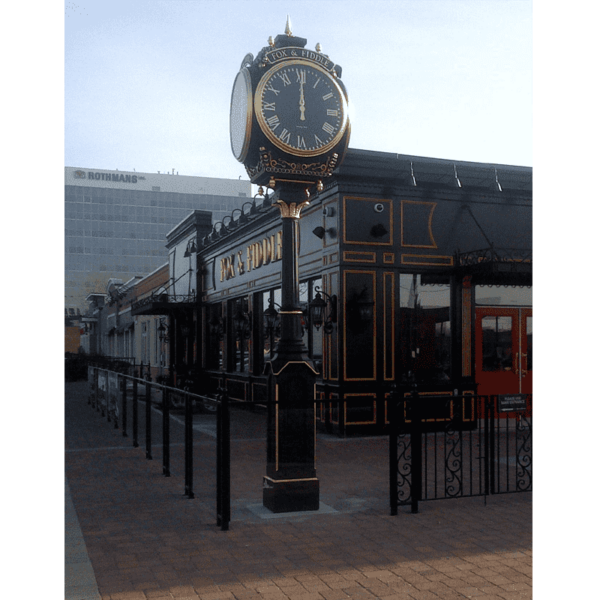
(288, 27)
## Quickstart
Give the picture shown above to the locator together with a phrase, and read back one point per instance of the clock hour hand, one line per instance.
(302, 103)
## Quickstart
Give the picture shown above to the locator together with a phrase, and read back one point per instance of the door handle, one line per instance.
(517, 365)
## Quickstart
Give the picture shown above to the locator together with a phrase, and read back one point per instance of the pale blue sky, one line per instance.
(148, 83)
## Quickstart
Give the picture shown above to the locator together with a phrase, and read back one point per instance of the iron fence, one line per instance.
(468, 445)
(476, 446)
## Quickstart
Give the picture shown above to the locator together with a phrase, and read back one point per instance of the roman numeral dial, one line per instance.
(301, 108)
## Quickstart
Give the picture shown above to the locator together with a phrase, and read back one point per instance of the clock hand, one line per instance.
(302, 103)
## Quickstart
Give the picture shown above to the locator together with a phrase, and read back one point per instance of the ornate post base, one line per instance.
(291, 483)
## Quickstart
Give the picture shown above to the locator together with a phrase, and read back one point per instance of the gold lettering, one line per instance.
(231, 266)
(266, 251)
(258, 255)
(249, 258)
(279, 244)
(263, 252)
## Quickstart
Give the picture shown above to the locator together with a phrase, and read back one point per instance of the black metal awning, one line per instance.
(497, 266)
(163, 304)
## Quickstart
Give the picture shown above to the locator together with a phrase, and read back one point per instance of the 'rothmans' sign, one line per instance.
(105, 176)
(258, 254)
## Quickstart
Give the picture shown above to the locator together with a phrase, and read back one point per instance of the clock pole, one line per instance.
(290, 483)
(289, 127)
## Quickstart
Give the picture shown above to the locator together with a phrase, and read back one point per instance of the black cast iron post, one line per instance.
(291, 483)
(148, 421)
(135, 413)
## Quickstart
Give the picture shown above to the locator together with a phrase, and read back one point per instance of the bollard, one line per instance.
(189, 453)
(135, 413)
(165, 423)
(393, 450)
(223, 461)
(148, 421)
(415, 445)
(124, 402)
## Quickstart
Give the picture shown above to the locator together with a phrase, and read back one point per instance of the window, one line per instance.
(240, 331)
(497, 343)
(426, 338)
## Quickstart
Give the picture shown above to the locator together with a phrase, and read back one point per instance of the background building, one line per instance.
(116, 222)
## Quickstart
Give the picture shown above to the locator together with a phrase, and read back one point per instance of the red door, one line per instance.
(503, 350)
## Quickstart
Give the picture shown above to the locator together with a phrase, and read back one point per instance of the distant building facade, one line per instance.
(116, 221)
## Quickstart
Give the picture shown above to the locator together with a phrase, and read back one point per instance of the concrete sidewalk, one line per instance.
(145, 540)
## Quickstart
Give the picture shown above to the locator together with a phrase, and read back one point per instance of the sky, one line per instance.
(147, 84)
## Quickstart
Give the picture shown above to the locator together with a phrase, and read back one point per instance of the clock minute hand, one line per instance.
(302, 103)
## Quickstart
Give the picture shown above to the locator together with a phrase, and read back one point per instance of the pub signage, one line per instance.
(275, 56)
(257, 254)
(512, 402)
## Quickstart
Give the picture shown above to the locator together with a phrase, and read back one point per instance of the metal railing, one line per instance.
(109, 396)
(468, 446)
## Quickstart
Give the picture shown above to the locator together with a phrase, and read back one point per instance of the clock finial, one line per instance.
(288, 27)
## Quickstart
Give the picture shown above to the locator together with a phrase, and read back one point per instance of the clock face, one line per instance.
(240, 115)
(301, 108)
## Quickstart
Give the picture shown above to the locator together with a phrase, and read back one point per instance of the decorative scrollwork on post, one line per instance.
(404, 468)
(453, 454)
(524, 454)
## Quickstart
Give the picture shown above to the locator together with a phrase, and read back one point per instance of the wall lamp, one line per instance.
(360, 309)
(242, 322)
(216, 326)
(190, 248)
(321, 231)
(270, 316)
(163, 331)
(318, 309)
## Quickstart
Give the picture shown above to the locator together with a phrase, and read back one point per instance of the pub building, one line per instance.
(413, 271)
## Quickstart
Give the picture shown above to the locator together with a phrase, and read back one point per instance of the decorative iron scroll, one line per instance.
(492, 254)
(164, 298)
(524, 451)
(404, 468)
(453, 458)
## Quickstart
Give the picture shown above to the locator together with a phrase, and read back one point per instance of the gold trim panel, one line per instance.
(374, 200)
(432, 206)
(368, 395)
(360, 257)
(374, 330)
(426, 260)
(289, 480)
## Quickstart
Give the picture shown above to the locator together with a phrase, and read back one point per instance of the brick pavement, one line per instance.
(145, 540)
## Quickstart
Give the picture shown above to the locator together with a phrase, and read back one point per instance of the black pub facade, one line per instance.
(422, 268)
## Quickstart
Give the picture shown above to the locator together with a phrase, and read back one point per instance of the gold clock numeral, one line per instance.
(285, 136)
(273, 122)
(331, 112)
(301, 143)
(328, 128)
(316, 82)
(301, 76)
(318, 141)
(271, 106)
(327, 96)
(284, 77)
(270, 88)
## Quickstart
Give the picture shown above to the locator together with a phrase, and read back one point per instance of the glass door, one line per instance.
(503, 350)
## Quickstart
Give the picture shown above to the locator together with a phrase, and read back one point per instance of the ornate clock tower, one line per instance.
(289, 127)
(289, 113)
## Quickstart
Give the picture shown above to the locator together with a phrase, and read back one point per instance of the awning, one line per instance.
(497, 266)
(163, 304)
